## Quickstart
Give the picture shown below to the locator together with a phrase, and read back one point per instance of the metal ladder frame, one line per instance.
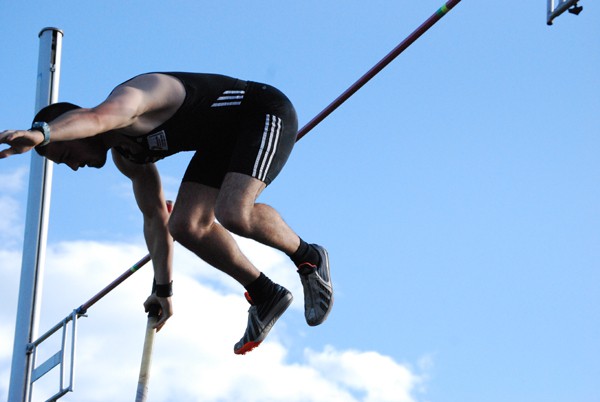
(57, 359)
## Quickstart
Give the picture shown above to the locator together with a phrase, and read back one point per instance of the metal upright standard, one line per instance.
(558, 7)
(38, 205)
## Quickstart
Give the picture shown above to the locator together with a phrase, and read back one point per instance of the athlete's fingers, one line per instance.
(18, 142)
(151, 300)
(5, 137)
(22, 138)
(162, 320)
(5, 153)
(166, 311)
(10, 135)
(160, 324)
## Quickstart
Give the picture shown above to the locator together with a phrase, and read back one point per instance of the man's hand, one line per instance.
(166, 309)
(20, 141)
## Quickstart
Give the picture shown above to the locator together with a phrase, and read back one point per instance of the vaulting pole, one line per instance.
(378, 67)
(153, 316)
(36, 225)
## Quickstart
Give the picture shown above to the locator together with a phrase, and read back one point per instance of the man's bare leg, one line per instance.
(193, 225)
(237, 210)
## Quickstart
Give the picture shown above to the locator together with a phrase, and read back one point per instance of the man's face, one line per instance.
(77, 153)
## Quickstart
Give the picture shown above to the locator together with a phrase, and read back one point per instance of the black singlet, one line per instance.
(190, 127)
(233, 125)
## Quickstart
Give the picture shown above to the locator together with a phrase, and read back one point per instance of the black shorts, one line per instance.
(257, 143)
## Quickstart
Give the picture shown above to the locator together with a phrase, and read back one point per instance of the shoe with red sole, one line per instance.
(261, 319)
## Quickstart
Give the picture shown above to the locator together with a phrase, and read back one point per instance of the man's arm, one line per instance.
(140, 104)
(121, 109)
(150, 199)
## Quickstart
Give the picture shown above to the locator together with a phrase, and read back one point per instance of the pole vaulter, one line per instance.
(142, 390)
(416, 34)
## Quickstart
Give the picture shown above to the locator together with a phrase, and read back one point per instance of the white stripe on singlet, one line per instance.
(230, 98)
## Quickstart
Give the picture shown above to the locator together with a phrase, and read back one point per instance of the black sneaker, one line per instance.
(261, 319)
(318, 291)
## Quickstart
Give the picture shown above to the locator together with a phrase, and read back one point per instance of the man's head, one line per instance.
(89, 151)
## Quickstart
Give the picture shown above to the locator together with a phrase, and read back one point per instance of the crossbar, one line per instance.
(416, 34)
(111, 286)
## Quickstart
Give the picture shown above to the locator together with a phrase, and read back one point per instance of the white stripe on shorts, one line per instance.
(268, 147)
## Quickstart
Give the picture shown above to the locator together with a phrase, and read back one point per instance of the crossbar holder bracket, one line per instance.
(64, 359)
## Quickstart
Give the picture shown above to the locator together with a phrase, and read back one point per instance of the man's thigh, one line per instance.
(195, 204)
(238, 192)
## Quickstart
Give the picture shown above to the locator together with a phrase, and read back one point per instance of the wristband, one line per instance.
(43, 128)
(164, 290)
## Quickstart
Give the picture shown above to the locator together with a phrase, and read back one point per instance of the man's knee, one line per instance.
(234, 207)
(178, 228)
(182, 229)
(234, 219)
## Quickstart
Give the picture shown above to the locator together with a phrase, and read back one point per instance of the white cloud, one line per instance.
(14, 181)
(11, 228)
(193, 355)
(379, 377)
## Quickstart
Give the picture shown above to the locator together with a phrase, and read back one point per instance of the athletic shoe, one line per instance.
(261, 319)
(318, 291)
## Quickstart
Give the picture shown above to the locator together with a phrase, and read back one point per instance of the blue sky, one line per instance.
(457, 194)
